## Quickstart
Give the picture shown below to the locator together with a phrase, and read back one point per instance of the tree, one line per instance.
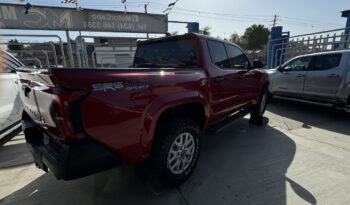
(205, 31)
(255, 37)
(14, 46)
(235, 38)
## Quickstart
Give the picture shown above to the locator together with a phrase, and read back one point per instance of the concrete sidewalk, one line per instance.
(300, 157)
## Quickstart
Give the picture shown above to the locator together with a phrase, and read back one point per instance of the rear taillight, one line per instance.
(67, 111)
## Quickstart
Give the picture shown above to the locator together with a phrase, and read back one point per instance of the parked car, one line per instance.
(320, 77)
(10, 103)
(81, 121)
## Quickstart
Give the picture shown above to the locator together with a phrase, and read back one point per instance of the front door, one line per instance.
(226, 85)
(290, 81)
(248, 77)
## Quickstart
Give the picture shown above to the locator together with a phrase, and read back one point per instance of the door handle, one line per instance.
(26, 90)
(16, 81)
(219, 79)
(300, 76)
(333, 76)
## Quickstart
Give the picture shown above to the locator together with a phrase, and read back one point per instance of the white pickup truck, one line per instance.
(10, 103)
(319, 77)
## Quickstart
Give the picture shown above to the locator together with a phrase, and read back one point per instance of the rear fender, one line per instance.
(157, 107)
(344, 95)
(347, 93)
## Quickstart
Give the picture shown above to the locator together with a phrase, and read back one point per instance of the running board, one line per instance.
(226, 122)
(306, 101)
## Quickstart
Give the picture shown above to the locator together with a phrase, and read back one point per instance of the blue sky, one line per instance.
(229, 16)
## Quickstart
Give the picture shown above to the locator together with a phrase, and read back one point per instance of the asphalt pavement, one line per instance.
(300, 156)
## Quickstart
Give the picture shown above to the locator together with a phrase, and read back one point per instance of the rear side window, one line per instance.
(218, 54)
(178, 52)
(326, 62)
(238, 58)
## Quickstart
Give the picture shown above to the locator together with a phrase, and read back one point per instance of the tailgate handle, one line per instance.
(241, 77)
(26, 90)
(219, 79)
(333, 76)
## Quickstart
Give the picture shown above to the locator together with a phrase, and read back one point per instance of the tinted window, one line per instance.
(218, 54)
(238, 58)
(169, 53)
(325, 62)
(300, 64)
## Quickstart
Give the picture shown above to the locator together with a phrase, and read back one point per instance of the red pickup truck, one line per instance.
(79, 122)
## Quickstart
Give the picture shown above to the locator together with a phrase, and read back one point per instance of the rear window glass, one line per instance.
(325, 62)
(169, 53)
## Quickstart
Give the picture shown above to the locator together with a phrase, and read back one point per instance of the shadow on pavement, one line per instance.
(9, 136)
(311, 115)
(242, 165)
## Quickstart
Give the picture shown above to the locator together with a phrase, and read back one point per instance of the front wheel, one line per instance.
(176, 151)
(256, 117)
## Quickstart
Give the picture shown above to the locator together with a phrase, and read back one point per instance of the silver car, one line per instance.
(10, 103)
(320, 77)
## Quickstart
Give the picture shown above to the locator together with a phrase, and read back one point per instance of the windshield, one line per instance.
(169, 53)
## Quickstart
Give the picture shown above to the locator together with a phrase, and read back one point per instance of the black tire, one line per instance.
(257, 115)
(164, 139)
(270, 96)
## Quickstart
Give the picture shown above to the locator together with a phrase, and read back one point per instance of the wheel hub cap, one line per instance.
(181, 153)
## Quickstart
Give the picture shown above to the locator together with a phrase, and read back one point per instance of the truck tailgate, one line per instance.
(35, 88)
(50, 104)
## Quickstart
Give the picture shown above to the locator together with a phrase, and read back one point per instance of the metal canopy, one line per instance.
(345, 13)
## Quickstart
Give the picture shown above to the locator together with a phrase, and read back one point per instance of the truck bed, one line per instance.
(114, 107)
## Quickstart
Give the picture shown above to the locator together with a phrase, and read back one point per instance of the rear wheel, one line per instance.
(176, 151)
(256, 117)
(347, 107)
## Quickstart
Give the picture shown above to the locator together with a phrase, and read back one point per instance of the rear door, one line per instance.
(291, 80)
(324, 77)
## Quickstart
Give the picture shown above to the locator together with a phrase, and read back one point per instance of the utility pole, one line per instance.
(146, 5)
(275, 21)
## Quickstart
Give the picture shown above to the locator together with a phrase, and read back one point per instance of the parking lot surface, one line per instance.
(301, 156)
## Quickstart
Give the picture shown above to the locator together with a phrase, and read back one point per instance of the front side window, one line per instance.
(238, 58)
(300, 64)
(218, 54)
(325, 62)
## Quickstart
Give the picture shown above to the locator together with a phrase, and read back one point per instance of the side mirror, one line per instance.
(257, 64)
(279, 68)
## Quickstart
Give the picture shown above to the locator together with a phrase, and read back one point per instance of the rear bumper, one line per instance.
(69, 162)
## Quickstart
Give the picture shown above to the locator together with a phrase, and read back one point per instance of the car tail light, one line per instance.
(68, 112)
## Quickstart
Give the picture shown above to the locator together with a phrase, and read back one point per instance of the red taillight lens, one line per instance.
(68, 112)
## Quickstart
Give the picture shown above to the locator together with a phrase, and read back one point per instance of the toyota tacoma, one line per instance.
(78, 122)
